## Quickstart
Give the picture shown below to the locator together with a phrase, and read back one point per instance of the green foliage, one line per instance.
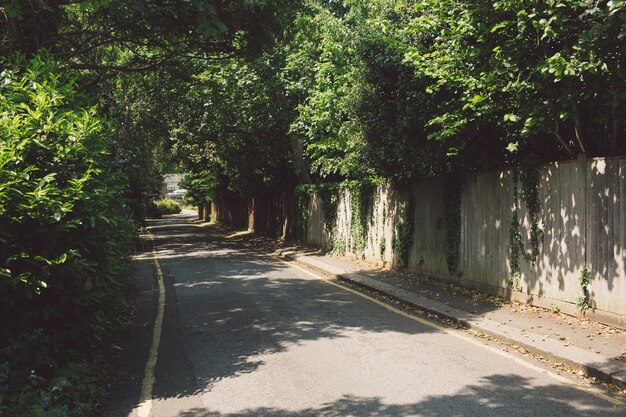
(383, 247)
(152, 210)
(403, 235)
(201, 187)
(366, 89)
(385, 88)
(302, 200)
(329, 194)
(70, 391)
(150, 33)
(168, 206)
(515, 236)
(528, 174)
(406, 90)
(230, 131)
(392, 109)
(361, 201)
(530, 73)
(323, 71)
(361, 204)
(583, 279)
(392, 89)
(143, 62)
(64, 231)
(138, 154)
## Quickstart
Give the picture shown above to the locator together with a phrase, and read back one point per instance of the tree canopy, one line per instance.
(402, 90)
(265, 94)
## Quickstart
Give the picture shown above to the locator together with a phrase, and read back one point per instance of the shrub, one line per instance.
(65, 233)
(69, 392)
(168, 206)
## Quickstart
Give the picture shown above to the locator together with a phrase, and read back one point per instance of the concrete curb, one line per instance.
(589, 363)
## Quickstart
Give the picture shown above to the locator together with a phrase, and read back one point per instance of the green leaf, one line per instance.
(499, 26)
(512, 147)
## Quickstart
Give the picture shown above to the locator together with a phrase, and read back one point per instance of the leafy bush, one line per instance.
(65, 233)
(201, 187)
(168, 206)
(70, 391)
(152, 210)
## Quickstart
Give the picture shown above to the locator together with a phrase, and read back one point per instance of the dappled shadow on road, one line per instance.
(496, 395)
(232, 305)
(229, 309)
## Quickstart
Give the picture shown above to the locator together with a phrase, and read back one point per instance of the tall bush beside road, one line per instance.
(64, 231)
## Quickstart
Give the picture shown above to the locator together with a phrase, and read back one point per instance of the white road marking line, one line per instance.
(461, 336)
(145, 406)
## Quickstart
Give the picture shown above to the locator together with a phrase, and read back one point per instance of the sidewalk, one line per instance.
(592, 349)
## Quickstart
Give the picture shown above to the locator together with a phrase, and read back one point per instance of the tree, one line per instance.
(64, 232)
(539, 73)
(92, 34)
(238, 126)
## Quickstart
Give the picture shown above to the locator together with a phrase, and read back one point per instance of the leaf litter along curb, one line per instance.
(559, 367)
(410, 279)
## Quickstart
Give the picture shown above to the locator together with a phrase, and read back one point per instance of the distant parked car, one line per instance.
(176, 194)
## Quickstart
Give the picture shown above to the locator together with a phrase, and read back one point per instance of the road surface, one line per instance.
(243, 334)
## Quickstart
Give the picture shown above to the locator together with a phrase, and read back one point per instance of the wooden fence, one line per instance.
(272, 215)
(581, 223)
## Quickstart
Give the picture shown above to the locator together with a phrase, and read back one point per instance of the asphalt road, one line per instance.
(244, 334)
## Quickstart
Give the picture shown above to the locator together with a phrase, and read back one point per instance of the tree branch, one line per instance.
(560, 139)
(577, 127)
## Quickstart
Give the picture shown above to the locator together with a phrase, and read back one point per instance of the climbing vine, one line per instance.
(529, 177)
(515, 236)
(452, 195)
(583, 279)
(383, 247)
(403, 236)
(329, 194)
(361, 203)
(302, 200)
(361, 194)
